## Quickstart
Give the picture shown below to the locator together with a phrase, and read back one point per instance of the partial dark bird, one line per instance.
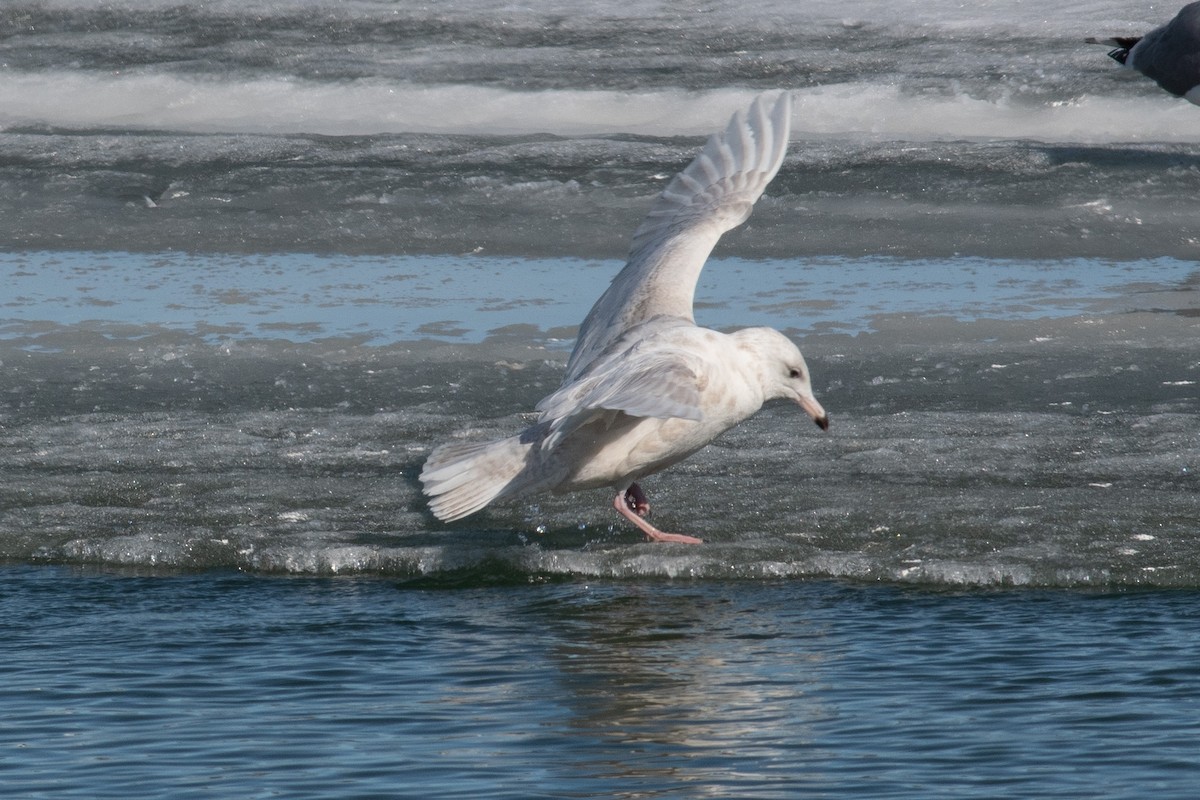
(1169, 55)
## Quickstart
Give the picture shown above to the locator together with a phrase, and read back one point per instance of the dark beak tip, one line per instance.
(822, 423)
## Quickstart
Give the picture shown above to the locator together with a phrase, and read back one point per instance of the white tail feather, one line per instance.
(461, 479)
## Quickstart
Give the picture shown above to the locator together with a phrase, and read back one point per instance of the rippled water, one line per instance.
(226, 685)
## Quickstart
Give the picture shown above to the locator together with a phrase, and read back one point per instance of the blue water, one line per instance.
(467, 298)
(223, 685)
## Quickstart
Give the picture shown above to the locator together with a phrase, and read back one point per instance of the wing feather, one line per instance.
(712, 195)
(650, 378)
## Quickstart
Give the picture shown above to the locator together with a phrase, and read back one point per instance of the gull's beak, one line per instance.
(814, 410)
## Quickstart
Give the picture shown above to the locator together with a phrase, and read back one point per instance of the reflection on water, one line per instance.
(765, 691)
(667, 686)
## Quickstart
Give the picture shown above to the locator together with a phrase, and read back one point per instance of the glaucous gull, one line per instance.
(645, 387)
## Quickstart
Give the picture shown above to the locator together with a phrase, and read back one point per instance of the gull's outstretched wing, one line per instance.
(714, 194)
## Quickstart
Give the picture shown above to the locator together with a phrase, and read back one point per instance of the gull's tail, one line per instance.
(460, 479)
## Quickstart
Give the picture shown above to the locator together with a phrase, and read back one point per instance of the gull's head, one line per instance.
(782, 370)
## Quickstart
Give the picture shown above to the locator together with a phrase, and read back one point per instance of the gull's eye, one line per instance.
(795, 373)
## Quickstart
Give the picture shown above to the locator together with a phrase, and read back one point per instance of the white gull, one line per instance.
(645, 386)
(1169, 55)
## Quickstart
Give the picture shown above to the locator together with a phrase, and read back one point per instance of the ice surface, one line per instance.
(1050, 452)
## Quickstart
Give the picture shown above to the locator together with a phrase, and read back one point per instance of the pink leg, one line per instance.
(628, 502)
